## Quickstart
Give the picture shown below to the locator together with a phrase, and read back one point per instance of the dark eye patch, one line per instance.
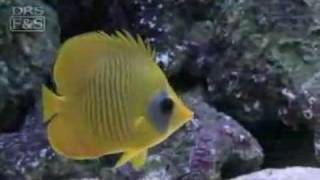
(159, 110)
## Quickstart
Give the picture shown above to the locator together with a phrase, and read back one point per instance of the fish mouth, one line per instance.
(183, 116)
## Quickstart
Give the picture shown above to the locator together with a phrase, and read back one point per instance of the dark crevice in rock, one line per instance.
(76, 18)
(13, 121)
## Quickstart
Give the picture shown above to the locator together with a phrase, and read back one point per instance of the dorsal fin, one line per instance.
(79, 56)
(124, 39)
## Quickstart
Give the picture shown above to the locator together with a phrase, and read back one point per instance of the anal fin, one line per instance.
(138, 161)
(137, 158)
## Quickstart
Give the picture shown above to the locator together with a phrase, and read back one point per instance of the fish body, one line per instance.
(111, 97)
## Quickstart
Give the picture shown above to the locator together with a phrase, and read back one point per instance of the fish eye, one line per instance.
(166, 105)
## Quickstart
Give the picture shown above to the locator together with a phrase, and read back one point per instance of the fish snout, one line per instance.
(185, 114)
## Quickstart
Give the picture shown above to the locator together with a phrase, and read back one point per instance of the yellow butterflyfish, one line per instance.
(111, 98)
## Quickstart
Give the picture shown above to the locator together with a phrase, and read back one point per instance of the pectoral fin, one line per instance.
(139, 122)
(139, 160)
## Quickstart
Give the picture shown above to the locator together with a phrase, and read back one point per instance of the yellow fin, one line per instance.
(50, 103)
(72, 139)
(138, 123)
(127, 156)
(139, 160)
(126, 38)
(80, 55)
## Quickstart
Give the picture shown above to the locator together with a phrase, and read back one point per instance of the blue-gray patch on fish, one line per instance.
(159, 110)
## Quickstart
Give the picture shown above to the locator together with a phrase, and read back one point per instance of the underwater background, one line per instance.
(249, 69)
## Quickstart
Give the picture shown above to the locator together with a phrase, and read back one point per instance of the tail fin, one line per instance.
(50, 103)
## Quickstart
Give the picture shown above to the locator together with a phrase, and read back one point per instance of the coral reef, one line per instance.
(297, 173)
(25, 61)
(248, 69)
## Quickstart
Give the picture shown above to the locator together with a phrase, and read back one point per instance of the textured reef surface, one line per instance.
(249, 69)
